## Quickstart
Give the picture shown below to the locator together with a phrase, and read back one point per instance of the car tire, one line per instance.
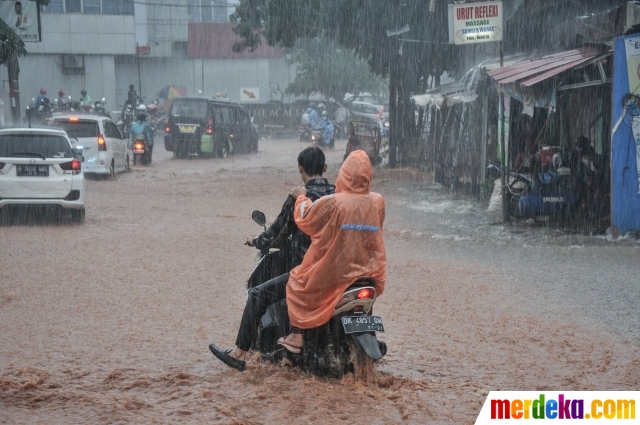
(78, 215)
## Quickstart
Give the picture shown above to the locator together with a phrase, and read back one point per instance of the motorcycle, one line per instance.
(317, 137)
(38, 115)
(126, 119)
(141, 151)
(99, 108)
(347, 343)
(305, 132)
(153, 114)
(550, 192)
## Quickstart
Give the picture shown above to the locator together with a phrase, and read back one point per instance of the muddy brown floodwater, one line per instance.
(109, 322)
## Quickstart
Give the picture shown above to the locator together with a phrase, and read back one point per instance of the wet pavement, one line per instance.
(109, 321)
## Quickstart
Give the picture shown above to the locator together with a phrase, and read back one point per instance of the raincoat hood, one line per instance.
(356, 173)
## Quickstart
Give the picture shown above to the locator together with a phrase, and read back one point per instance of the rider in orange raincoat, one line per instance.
(346, 244)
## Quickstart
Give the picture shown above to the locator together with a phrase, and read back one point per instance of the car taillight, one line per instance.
(209, 127)
(167, 127)
(102, 145)
(366, 293)
(380, 113)
(74, 166)
(1, 165)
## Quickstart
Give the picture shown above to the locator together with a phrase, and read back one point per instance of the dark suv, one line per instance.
(218, 127)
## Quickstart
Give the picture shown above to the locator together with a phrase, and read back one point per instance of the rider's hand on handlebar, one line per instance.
(250, 242)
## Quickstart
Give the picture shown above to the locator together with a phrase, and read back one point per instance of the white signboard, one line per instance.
(22, 18)
(475, 22)
(249, 94)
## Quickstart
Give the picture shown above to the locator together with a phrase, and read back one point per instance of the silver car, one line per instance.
(40, 168)
(367, 112)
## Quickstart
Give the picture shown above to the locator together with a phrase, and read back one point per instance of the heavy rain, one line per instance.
(139, 137)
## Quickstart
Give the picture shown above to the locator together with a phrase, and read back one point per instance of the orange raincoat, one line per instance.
(346, 244)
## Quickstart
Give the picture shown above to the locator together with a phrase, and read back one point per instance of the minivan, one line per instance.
(208, 127)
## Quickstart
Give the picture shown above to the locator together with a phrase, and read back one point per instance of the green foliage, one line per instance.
(323, 67)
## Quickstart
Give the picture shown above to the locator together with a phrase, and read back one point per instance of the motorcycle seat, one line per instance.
(363, 281)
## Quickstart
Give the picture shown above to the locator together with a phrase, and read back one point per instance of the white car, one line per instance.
(40, 168)
(103, 146)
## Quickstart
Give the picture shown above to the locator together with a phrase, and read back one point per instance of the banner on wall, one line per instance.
(632, 50)
(22, 17)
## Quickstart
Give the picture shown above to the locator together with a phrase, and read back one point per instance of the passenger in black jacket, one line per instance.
(311, 165)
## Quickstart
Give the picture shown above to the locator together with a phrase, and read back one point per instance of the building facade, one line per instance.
(103, 46)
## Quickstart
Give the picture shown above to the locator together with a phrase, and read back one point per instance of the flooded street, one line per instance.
(109, 322)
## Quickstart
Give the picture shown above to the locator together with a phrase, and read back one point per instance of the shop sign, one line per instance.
(471, 23)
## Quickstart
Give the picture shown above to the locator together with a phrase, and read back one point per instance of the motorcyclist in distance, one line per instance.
(140, 126)
(328, 127)
(42, 99)
(132, 96)
(61, 101)
(313, 116)
(85, 99)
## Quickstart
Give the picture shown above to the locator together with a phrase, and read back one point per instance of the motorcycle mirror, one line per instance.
(33, 99)
(104, 100)
(69, 97)
(259, 217)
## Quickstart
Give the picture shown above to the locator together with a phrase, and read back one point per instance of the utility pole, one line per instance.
(13, 69)
(394, 128)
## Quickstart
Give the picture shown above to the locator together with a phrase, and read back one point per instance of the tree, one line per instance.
(325, 68)
(361, 26)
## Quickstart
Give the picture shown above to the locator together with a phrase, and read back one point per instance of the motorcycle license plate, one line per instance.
(138, 151)
(29, 170)
(187, 128)
(354, 324)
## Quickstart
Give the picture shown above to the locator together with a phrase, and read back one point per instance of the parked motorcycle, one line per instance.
(347, 343)
(141, 151)
(551, 191)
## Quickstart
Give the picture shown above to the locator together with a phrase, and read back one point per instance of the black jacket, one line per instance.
(284, 226)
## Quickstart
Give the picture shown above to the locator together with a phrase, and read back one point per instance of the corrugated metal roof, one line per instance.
(533, 71)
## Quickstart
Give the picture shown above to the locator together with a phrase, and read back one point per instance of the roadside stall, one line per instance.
(557, 148)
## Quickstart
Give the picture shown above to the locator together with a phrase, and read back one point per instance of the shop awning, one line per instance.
(10, 43)
(530, 72)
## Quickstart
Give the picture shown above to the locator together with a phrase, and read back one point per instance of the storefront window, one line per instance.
(193, 9)
(91, 7)
(220, 13)
(207, 10)
(73, 6)
(55, 6)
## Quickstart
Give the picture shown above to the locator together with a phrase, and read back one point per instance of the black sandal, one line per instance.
(224, 357)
